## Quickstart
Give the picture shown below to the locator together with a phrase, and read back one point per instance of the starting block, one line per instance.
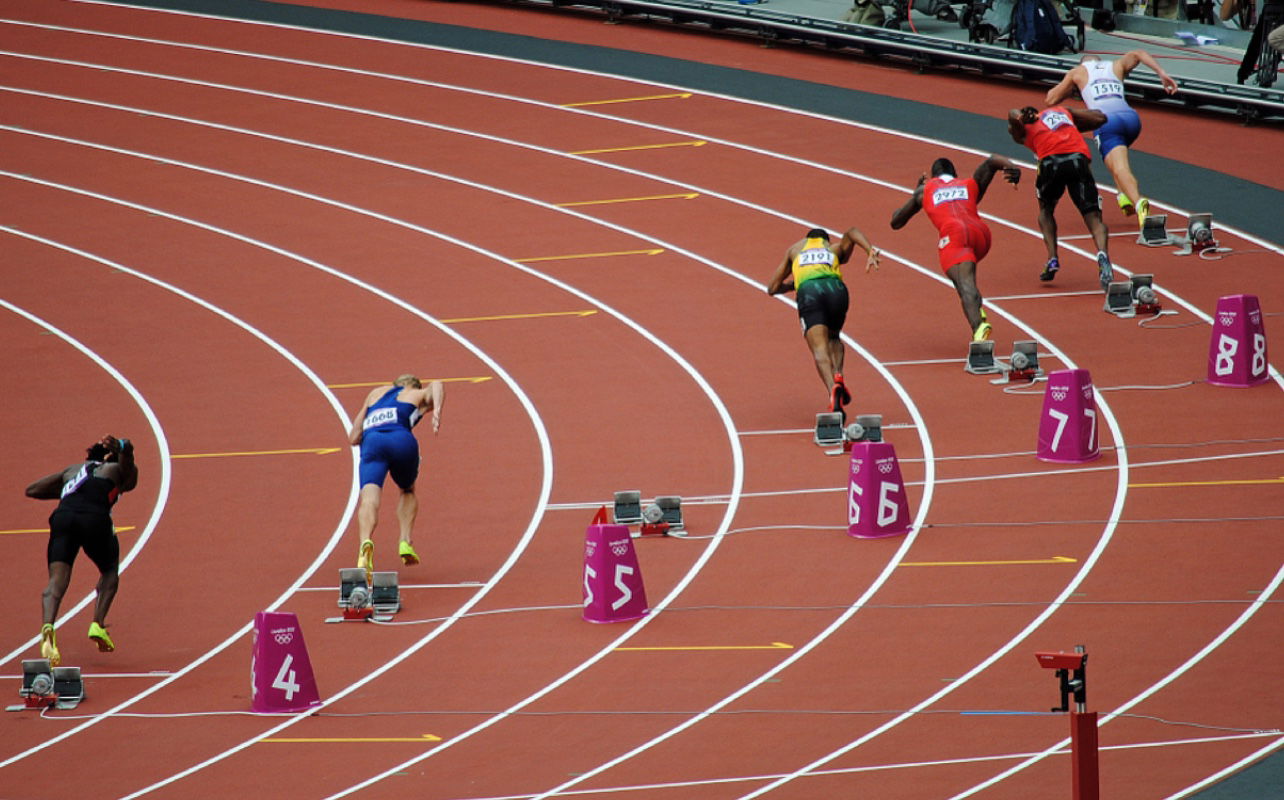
(1119, 299)
(46, 686)
(349, 578)
(653, 523)
(829, 429)
(1144, 299)
(1154, 231)
(671, 513)
(1024, 363)
(385, 595)
(980, 359)
(628, 507)
(1199, 232)
(866, 428)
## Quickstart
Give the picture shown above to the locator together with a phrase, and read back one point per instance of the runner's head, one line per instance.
(818, 233)
(105, 449)
(1089, 57)
(407, 381)
(943, 166)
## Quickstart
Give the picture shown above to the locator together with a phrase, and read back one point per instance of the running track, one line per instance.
(215, 231)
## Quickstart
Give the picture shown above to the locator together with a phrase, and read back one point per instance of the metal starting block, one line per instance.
(1199, 232)
(671, 514)
(1025, 361)
(350, 577)
(1144, 299)
(1154, 231)
(980, 359)
(46, 686)
(385, 596)
(829, 429)
(653, 523)
(866, 428)
(1119, 299)
(628, 507)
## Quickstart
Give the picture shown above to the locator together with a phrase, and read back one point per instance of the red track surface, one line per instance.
(230, 275)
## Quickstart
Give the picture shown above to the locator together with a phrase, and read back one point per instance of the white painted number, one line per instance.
(1227, 347)
(1061, 417)
(285, 678)
(626, 594)
(1091, 414)
(887, 508)
(589, 573)
(1259, 354)
(853, 504)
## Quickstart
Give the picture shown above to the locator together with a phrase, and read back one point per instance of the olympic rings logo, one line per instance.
(283, 637)
(1058, 393)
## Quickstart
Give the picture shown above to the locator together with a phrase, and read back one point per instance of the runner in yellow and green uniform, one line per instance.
(813, 268)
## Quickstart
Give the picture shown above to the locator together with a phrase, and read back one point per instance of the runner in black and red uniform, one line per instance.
(964, 239)
(86, 492)
(1055, 134)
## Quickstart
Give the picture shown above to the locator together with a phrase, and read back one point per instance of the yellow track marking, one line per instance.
(587, 313)
(692, 143)
(678, 96)
(571, 256)
(772, 646)
(679, 196)
(1053, 560)
(118, 529)
(476, 379)
(1258, 482)
(320, 451)
(427, 737)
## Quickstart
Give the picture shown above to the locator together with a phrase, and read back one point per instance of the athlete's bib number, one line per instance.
(74, 484)
(379, 416)
(1056, 119)
(1103, 89)
(815, 257)
(948, 194)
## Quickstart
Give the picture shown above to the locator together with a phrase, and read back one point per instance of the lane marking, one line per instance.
(367, 384)
(688, 648)
(319, 451)
(1053, 560)
(679, 196)
(692, 143)
(674, 96)
(653, 251)
(534, 315)
(427, 737)
(118, 529)
(1043, 295)
(463, 585)
(1258, 482)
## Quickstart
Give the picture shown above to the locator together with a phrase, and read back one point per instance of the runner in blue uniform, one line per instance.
(382, 428)
(86, 492)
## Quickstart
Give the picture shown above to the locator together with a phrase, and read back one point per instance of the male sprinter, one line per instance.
(382, 430)
(1055, 135)
(1101, 85)
(811, 267)
(950, 203)
(86, 491)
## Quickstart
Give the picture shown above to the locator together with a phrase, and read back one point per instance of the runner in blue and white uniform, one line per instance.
(382, 429)
(86, 492)
(1101, 85)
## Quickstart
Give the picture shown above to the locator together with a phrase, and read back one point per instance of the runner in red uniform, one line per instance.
(1055, 135)
(951, 205)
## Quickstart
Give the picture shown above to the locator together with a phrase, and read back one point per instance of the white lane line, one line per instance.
(1258, 603)
(162, 444)
(285, 354)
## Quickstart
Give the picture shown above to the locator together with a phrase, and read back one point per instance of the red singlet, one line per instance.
(1054, 134)
(951, 206)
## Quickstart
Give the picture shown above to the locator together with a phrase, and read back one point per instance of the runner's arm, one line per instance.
(47, 488)
(1018, 118)
(911, 206)
(436, 399)
(1132, 58)
(128, 469)
(852, 237)
(1063, 89)
(782, 281)
(986, 170)
(1087, 119)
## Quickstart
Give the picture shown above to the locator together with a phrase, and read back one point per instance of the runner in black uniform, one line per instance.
(86, 491)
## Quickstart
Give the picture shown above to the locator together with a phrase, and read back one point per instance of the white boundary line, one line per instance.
(956, 148)
(162, 444)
